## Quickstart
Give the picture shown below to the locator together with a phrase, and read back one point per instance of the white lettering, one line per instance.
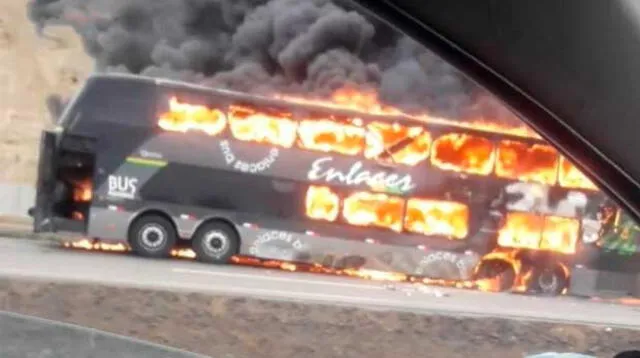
(444, 257)
(356, 175)
(123, 187)
(572, 205)
(261, 247)
(246, 167)
(535, 198)
(531, 196)
(148, 154)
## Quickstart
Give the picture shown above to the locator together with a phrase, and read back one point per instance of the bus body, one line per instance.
(157, 163)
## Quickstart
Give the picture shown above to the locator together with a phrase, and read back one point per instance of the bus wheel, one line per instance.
(549, 280)
(499, 272)
(215, 242)
(152, 236)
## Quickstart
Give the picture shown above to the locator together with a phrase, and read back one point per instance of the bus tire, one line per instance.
(152, 236)
(500, 272)
(549, 281)
(215, 242)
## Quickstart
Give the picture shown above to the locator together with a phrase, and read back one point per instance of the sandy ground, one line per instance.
(240, 327)
(31, 68)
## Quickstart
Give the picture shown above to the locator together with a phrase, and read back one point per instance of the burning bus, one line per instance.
(157, 164)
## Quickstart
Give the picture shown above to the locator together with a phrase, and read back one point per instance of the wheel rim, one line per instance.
(548, 281)
(153, 237)
(216, 243)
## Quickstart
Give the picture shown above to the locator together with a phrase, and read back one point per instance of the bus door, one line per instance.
(42, 212)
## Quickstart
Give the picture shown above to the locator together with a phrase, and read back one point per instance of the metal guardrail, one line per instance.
(16, 199)
(26, 336)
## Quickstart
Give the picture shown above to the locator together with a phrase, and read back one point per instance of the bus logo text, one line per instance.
(248, 167)
(122, 187)
(356, 175)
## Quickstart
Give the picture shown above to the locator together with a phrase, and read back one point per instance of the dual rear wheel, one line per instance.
(154, 236)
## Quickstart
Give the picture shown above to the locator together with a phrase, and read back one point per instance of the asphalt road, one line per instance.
(43, 260)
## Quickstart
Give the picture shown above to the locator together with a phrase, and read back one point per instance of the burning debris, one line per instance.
(520, 276)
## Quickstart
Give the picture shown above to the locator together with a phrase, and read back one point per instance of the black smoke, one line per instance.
(311, 47)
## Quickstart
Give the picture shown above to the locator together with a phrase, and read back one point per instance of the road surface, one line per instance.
(45, 261)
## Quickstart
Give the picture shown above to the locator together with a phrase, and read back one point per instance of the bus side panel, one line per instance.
(356, 254)
(108, 224)
(117, 198)
(112, 223)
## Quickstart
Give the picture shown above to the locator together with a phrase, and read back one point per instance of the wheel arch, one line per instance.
(153, 211)
(218, 219)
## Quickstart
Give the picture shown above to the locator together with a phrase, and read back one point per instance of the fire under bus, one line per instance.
(156, 164)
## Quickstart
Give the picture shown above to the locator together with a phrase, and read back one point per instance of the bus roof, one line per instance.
(112, 89)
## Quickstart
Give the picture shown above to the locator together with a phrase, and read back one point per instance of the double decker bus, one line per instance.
(157, 164)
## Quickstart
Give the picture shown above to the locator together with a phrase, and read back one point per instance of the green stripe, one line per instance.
(147, 162)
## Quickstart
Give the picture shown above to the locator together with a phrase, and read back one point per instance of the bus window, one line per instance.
(517, 160)
(539, 232)
(404, 145)
(325, 135)
(321, 203)
(128, 103)
(248, 124)
(572, 177)
(560, 234)
(521, 230)
(463, 153)
(432, 217)
(369, 209)
(182, 116)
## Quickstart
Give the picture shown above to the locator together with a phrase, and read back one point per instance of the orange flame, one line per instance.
(463, 153)
(457, 152)
(520, 161)
(572, 177)
(325, 135)
(82, 191)
(382, 136)
(367, 209)
(521, 230)
(249, 125)
(560, 234)
(183, 117)
(368, 102)
(322, 203)
(521, 279)
(538, 232)
(427, 217)
(431, 217)
(96, 245)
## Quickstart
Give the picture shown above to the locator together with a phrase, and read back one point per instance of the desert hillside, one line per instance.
(31, 67)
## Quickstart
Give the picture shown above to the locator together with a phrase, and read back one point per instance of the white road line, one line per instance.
(270, 278)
